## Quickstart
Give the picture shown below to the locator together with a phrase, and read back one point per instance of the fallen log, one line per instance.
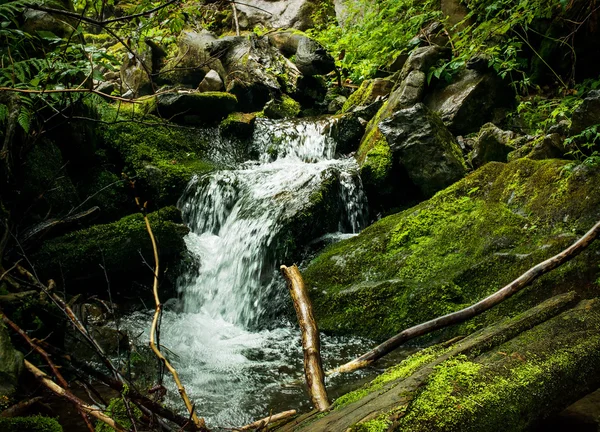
(311, 344)
(260, 424)
(82, 406)
(476, 309)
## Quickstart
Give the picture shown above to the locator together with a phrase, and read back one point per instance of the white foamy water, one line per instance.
(233, 353)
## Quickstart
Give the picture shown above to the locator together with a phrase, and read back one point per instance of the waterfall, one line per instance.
(231, 362)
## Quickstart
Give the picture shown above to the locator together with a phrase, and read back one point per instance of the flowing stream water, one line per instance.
(234, 349)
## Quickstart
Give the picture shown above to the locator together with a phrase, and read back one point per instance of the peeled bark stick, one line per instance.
(476, 309)
(265, 421)
(198, 422)
(311, 344)
(51, 385)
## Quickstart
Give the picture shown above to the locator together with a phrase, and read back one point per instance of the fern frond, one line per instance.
(24, 119)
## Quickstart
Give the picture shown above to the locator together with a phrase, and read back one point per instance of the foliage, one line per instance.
(30, 424)
(116, 410)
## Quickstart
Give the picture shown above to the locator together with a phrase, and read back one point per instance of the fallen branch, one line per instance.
(259, 424)
(68, 90)
(199, 422)
(476, 309)
(311, 344)
(235, 19)
(18, 409)
(55, 388)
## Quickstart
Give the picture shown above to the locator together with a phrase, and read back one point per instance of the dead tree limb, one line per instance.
(55, 388)
(476, 309)
(259, 424)
(235, 18)
(311, 344)
(199, 422)
(18, 409)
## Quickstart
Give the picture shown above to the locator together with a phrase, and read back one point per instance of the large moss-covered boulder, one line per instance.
(121, 248)
(195, 107)
(492, 145)
(515, 374)
(11, 365)
(284, 107)
(458, 247)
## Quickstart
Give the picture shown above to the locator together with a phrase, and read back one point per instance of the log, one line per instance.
(476, 309)
(82, 406)
(20, 408)
(311, 344)
(259, 424)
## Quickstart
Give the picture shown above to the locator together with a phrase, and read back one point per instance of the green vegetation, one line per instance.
(30, 424)
(117, 411)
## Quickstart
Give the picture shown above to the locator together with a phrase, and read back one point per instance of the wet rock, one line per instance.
(492, 145)
(276, 14)
(470, 101)
(312, 58)
(409, 92)
(547, 147)
(238, 125)
(285, 107)
(336, 104)
(423, 58)
(424, 147)
(193, 61)
(587, 114)
(211, 82)
(11, 366)
(368, 92)
(194, 107)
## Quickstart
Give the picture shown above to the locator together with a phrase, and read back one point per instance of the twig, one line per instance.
(235, 19)
(476, 309)
(69, 90)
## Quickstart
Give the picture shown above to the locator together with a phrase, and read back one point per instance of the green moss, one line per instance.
(458, 247)
(162, 159)
(359, 97)
(116, 246)
(378, 162)
(116, 410)
(102, 39)
(239, 125)
(30, 424)
(283, 108)
(379, 424)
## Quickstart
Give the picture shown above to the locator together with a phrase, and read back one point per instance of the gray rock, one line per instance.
(134, 73)
(423, 58)
(312, 58)
(425, 147)
(470, 101)
(547, 147)
(587, 114)
(195, 107)
(336, 104)
(43, 21)
(211, 82)
(275, 14)
(11, 365)
(107, 87)
(492, 145)
(410, 90)
(454, 10)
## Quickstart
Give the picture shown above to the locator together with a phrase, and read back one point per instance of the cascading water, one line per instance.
(231, 358)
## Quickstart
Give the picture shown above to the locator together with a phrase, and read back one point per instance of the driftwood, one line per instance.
(198, 422)
(476, 309)
(259, 424)
(311, 344)
(82, 406)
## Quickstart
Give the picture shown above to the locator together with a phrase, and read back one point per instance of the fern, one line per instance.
(3, 113)
(24, 119)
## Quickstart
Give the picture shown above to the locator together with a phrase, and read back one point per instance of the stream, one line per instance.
(237, 349)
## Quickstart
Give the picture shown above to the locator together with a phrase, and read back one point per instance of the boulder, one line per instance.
(458, 247)
(195, 107)
(492, 145)
(312, 59)
(549, 146)
(11, 366)
(135, 72)
(470, 101)
(427, 151)
(336, 104)
(285, 107)
(212, 82)
(276, 14)
(368, 92)
(193, 60)
(238, 125)
(587, 114)
(423, 58)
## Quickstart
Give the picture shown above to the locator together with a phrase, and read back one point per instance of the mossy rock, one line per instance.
(120, 248)
(285, 107)
(457, 248)
(238, 125)
(367, 93)
(162, 158)
(195, 107)
(36, 423)
(514, 373)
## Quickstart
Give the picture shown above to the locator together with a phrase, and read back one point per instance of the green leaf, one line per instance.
(24, 119)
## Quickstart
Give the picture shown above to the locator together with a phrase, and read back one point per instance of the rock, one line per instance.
(458, 247)
(107, 87)
(312, 58)
(398, 63)
(516, 372)
(492, 145)
(470, 101)
(193, 61)
(212, 82)
(347, 131)
(341, 11)
(238, 125)
(368, 92)
(587, 114)
(409, 92)
(336, 104)
(434, 33)
(134, 73)
(117, 246)
(286, 107)
(423, 58)
(583, 415)
(455, 11)
(39, 21)
(195, 108)
(547, 147)
(276, 14)
(11, 366)
(426, 150)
